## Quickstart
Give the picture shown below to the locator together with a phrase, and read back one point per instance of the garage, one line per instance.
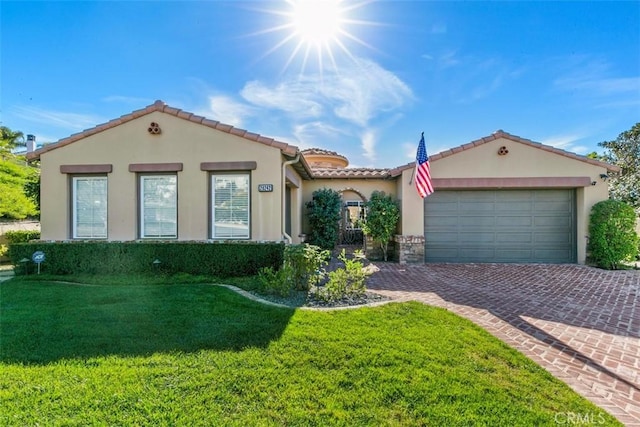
(523, 226)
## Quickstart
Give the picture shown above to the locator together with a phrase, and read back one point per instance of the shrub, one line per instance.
(612, 236)
(347, 282)
(301, 269)
(277, 282)
(306, 264)
(382, 219)
(3, 250)
(221, 259)
(324, 217)
(21, 236)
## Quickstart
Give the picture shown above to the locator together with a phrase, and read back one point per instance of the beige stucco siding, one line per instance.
(180, 141)
(351, 188)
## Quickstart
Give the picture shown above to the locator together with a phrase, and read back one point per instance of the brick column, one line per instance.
(409, 249)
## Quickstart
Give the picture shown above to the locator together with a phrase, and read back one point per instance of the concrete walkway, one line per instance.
(580, 323)
(5, 275)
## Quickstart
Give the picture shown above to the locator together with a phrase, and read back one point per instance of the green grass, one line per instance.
(158, 354)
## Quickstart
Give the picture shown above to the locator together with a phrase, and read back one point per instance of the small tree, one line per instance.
(612, 235)
(324, 215)
(382, 219)
(625, 153)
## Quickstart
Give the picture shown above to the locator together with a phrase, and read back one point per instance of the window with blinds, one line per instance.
(89, 199)
(158, 206)
(230, 210)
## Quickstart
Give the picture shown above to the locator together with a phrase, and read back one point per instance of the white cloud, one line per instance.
(316, 134)
(364, 91)
(349, 98)
(227, 110)
(356, 94)
(567, 142)
(294, 96)
(369, 145)
(592, 78)
(409, 150)
(59, 119)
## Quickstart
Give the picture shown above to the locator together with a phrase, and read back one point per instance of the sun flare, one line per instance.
(316, 29)
(317, 22)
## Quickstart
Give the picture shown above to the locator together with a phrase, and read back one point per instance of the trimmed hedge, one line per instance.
(220, 259)
(21, 236)
(612, 235)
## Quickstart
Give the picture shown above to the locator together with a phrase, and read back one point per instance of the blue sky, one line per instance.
(561, 73)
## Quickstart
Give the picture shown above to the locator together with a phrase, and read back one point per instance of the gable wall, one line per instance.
(522, 161)
(180, 141)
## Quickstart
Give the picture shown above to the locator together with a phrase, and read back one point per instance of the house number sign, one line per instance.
(265, 188)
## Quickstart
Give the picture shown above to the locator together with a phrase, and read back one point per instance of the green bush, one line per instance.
(306, 264)
(612, 235)
(3, 250)
(276, 282)
(301, 269)
(347, 282)
(21, 236)
(221, 259)
(324, 217)
(383, 215)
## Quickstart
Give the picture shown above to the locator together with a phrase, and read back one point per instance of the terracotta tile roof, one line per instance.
(320, 151)
(502, 134)
(289, 150)
(360, 173)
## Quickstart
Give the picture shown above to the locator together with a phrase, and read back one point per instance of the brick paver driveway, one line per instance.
(582, 324)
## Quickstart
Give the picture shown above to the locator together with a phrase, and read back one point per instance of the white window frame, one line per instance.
(240, 231)
(143, 208)
(103, 234)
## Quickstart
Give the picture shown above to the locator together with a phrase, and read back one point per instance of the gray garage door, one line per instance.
(500, 226)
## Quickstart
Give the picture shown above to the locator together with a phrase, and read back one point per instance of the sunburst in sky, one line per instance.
(316, 31)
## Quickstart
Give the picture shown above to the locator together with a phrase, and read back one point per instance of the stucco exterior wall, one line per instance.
(350, 187)
(522, 161)
(179, 141)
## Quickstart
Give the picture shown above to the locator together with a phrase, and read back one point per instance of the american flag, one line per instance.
(423, 173)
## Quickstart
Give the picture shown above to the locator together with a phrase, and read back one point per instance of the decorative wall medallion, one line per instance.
(154, 128)
(502, 151)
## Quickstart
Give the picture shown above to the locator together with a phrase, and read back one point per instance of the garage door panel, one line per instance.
(500, 226)
(438, 222)
(442, 239)
(515, 206)
(513, 221)
(475, 221)
(477, 206)
(513, 255)
(545, 207)
(552, 238)
(445, 254)
(445, 207)
(512, 238)
(476, 237)
(552, 221)
(551, 255)
(471, 254)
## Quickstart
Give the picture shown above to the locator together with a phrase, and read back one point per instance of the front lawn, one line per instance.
(153, 354)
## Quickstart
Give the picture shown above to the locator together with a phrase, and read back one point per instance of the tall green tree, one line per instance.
(324, 214)
(9, 141)
(19, 181)
(624, 152)
(383, 215)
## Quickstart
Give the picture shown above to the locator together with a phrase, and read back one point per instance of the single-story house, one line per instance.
(164, 173)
